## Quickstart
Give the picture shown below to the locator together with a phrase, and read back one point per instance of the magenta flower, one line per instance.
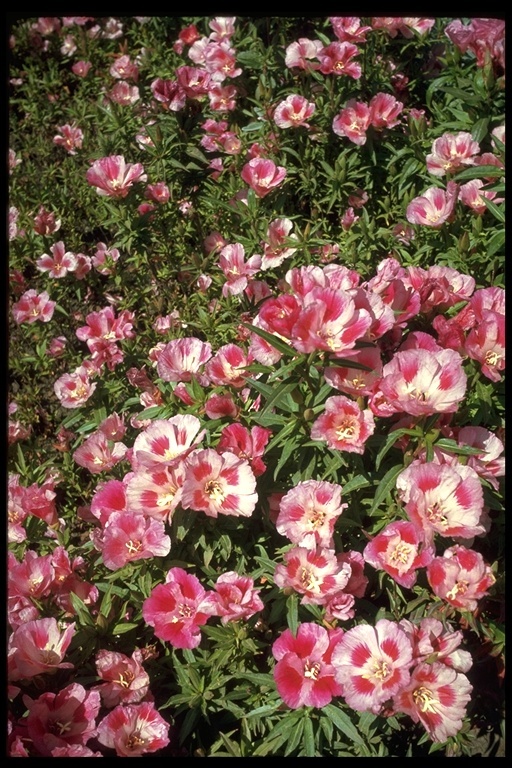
(219, 484)
(343, 425)
(177, 609)
(436, 696)
(134, 730)
(97, 453)
(62, 719)
(430, 637)
(304, 673)
(353, 121)
(461, 577)
(452, 152)
(262, 175)
(308, 512)
(33, 306)
(317, 574)
(74, 389)
(385, 111)
(236, 597)
(69, 137)
(227, 366)
(434, 207)
(113, 177)
(372, 664)
(485, 343)
(245, 444)
(399, 550)
(337, 59)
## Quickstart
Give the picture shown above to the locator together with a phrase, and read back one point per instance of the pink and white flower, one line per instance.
(113, 176)
(293, 112)
(70, 137)
(130, 536)
(451, 152)
(166, 442)
(37, 647)
(219, 484)
(372, 664)
(434, 207)
(133, 730)
(33, 306)
(182, 360)
(353, 122)
(317, 574)
(308, 512)
(236, 597)
(461, 577)
(304, 673)
(343, 425)
(399, 550)
(262, 175)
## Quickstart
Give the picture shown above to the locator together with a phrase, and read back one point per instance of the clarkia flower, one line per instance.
(113, 176)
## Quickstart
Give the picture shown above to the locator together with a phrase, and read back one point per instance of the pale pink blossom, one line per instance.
(276, 247)
(228, 366)
(434, 207)
(222, 97)
(472, 194)
(236, 270)
(166, 442)
(74, 389)
(357, 381)
(113, 176)
(59, 263)
(33, 306)
(372, 664)
(302, 54)
(128, 537)
(452, 152)
(343, 425)
(219, 484)
(37, 647)
(158, 192)
(385, 111)
(436, 696)
(81, 68)
(430, 637)
(308, 513)
(461, 577)
(293, 112)
(349, 29)
(70, 137)
(133, 730)
(304, 673)
(178, 608)
(183, 359)
(485, 343)
(262, 175)
(442, 499)
(156, 491)
(337, 59)
(124, 93)
(317, 574)
(399, 550)
(489, 463)
(353, 122)
(124, 69)
(98, 454)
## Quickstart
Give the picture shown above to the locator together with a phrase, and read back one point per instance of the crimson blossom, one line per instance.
(372, 664)
(177, 609)
(129, 536)
(304, 673)
(134, 730)
(436, 696)
(113, 176)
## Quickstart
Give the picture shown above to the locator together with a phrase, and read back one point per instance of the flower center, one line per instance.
(424, 699)
(312, 669)
(133, 546)
(215, 491)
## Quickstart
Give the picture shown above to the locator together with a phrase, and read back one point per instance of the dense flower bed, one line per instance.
(256, 386)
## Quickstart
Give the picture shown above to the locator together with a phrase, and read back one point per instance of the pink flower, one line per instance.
(353, 121)
(246, 445)
(399, 550)
(489, 464)
(182, 359)
(98, 454)
(434, 207)
(62, 719)
(113, 177)
(485, 343)
(74, 389)
(276, 248)
(33, 306)
(236, 597)
(430, 637)
(81, 68)
(436, 696)
(45, 222)
(37, 647)
(59, 263)
(384, 111)
(343, 425)
(219, 484)
(227, 366)
(356, 381)
(461, 577)
(70, 137)
(293, 112)
(236, 270)
(372, 664)
(129, 536)
(166, 442)
(262, 175)
(349, 29)
(217, 406)
(133, 730)
(304, 673)
(421, 382)
(177, 609)
(124, 93)
(317, 574)
(472, 194)
(337, 59)
(308, 512)
(156, 491)
(124, 69)
(443, 499)
(302, 52)
(451, 152)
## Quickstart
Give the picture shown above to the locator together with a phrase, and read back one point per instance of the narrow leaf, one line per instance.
(384, 487)
(274, 341)
(343, 723)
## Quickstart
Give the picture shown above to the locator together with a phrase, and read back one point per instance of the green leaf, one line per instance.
(292, 613)
(446, 444)
(266, 709)
(359, 481)
(497, 211)
(343, 723)
(480, 129)
(123, 627)
(479, 172)
(391, 439)
(387, 483)
(278, 398)
(309, 737)
(274, 341)
(496, 242)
